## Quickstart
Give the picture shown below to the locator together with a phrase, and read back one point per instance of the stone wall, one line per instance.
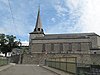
(39, 58)
(60, 47)
(37, 47)
(95, 58)
(32, 58)
(14, 59)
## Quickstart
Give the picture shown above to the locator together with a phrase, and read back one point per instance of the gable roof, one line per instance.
(67, 36)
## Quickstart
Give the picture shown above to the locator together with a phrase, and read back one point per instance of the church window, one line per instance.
(38, 29)
(42, 30)
(52, 47)
(43, 48)
(35, 29)
(94, 52)
(70, 46)
(90, 45)
(79, 46)
(61, 47)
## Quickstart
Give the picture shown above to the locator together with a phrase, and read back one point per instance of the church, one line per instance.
(83, 46)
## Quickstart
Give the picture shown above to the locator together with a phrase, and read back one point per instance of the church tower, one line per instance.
(38, 30)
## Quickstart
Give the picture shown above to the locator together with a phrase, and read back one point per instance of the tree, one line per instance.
(7, 43)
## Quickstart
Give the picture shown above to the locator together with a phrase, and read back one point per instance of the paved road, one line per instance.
(26, 70)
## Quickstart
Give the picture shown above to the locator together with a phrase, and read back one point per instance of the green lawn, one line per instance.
(3, 62)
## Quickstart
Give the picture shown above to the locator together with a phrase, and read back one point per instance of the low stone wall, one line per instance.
(15, 59)
(35, 58)
(39, 58)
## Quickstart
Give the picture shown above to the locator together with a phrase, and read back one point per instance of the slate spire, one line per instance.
(38, 27)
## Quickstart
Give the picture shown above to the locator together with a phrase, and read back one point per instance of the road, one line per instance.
(26, 70)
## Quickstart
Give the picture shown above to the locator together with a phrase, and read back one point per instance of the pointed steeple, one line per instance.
(38, 27)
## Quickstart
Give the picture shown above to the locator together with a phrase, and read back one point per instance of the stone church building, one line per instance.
(84, 46)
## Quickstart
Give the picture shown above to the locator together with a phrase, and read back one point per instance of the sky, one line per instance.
(58, 17)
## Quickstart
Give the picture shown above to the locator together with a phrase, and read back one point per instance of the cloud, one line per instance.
(72, 4)
(90, 20)
(23, 17)
(58, 16)
(62, 28)
(69, 13)
(4, 1)
(59, 7)
(25, 43)
(88, 12)
(53, 19)
(77, 16)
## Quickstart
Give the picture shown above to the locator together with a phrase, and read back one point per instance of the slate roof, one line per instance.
(68, 36)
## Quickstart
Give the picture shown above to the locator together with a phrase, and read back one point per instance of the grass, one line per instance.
(3, 62)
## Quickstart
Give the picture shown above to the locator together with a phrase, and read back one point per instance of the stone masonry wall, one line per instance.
(39, 58)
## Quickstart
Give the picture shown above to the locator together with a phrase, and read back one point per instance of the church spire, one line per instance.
(38, 27)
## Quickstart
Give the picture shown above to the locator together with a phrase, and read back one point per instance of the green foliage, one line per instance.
(7, 43)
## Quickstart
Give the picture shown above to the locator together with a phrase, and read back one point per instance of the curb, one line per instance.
(50, 70)
(56, 71)
(6, 67)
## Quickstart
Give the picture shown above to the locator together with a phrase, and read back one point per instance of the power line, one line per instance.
(11, 11)
(12, 16)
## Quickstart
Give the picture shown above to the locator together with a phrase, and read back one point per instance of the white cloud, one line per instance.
(4, 1)
(16, 29)
(72, 4)
(69, 12)
(63, 27)
(88, 12)
(90, 20)
(21, 16)
(60, 9)
(68, 6)
(25, 43)
(53, 19)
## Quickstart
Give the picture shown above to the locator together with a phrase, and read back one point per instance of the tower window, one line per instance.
(52, 47)
(70, 46)
(42, 30)
(38, 29)
(35, 29)
(43, 48)
(94, 52)
(61, 47)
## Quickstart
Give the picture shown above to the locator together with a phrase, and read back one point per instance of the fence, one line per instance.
(89, 70)
(67, 64)
(70, 65)
(3, 61)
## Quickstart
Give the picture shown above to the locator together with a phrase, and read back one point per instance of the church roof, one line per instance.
(68, 36)
(38, 27)
(38, 22)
